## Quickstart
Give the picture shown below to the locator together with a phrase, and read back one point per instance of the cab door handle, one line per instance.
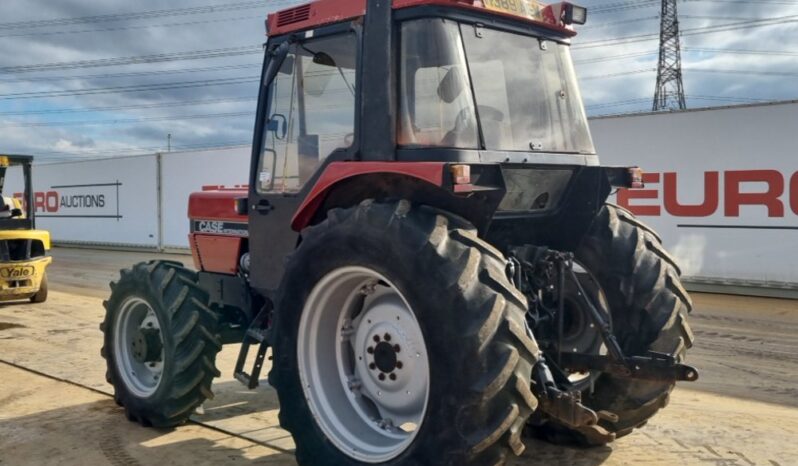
(263, 206)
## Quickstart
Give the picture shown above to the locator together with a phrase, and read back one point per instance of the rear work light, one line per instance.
(573, 14)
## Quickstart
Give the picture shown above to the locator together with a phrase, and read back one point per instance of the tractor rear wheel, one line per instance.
(639, 282)
(160, 343)
(400, 341)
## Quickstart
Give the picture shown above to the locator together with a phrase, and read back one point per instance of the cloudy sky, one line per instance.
(119, 82)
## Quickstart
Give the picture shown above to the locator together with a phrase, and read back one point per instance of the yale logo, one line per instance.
(15, 273)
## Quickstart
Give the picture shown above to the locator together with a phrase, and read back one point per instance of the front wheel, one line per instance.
(160, 343)
(399, 341)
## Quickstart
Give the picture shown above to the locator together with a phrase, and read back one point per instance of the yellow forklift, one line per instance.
(23, 249)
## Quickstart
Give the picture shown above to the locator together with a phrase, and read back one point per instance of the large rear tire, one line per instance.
(423, 281)
(649, 308)
(160, 343)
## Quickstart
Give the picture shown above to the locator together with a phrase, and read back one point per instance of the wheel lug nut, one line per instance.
(370, 350)
(381, 376)
(399, 365)
(376, 338)
(372, 366)
(387, 337)
(392, 376)
(397, 348)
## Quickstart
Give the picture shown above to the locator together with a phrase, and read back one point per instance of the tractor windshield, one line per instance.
(521, 90)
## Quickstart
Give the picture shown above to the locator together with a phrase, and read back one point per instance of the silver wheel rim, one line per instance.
(363, 364)
(141, 378)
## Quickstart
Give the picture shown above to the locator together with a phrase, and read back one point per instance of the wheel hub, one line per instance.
(147, 345)
(386, 355)
(138, 347)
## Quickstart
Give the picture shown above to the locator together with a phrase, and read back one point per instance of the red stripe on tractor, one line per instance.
(431, 172)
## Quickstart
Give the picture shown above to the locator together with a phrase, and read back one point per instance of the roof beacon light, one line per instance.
(574, 14)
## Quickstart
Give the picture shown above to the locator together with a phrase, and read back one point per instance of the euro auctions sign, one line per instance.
(724, 194)
(90, 200)
(721, 187)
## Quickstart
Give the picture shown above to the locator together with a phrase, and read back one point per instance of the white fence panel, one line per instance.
(722, 187)
(186, 172)
(108, 202)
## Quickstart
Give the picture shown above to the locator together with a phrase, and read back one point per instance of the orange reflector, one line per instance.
(636, 178)
(461, 174)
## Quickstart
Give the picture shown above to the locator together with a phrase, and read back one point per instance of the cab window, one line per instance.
(311, 111)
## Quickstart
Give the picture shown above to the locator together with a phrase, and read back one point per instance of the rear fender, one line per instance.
(345, 184)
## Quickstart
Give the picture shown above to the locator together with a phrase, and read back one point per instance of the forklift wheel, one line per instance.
(41, 295)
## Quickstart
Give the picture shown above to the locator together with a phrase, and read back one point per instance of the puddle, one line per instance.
(8, 325)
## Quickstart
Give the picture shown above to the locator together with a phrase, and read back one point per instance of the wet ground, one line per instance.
(55, 407)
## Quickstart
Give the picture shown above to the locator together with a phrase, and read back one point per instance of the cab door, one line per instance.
(306, 117)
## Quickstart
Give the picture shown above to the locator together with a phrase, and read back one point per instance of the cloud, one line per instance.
(183, 33)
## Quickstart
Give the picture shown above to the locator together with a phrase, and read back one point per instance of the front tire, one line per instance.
(160, 343)
(423, 281)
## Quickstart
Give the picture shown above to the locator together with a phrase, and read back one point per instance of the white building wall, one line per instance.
(757, 242)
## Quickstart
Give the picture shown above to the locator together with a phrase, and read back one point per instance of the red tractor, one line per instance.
(424, 245)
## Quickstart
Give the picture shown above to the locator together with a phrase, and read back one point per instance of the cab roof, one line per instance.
(323, 12)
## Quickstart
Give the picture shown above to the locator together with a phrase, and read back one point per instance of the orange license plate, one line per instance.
(527, 8)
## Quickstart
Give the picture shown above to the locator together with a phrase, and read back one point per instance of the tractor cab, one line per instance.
(484, 88)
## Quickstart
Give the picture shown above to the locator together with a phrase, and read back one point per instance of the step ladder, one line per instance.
(257, 333)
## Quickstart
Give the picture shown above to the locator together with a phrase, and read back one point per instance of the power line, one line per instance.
(749, 72)
(132, 74)
(623, 56)
(126, 28)
(604, 24)
(144, 14)
(743, 52)
(128, 107)
(104, 153)
(128, 120)
(118, 61)
(620, 73)
(777, 21)
(616, 57)
(125, 89)
(747, 2)
(689, 96)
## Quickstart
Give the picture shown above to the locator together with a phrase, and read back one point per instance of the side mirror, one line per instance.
(278, 124)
